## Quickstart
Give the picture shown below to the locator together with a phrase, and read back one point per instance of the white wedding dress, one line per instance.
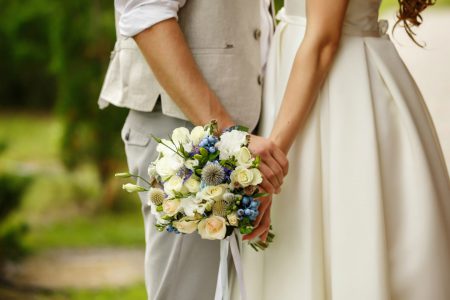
(364, 212)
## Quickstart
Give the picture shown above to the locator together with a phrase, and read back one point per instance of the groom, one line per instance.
(178, 63)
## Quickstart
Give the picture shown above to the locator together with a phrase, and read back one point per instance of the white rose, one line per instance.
(212, 228)
(169, 165)
(192, 184)
(171, 207)
(181, 136)
(233, 219)
(185, 225)
(213, 192)
(166, 151)
(174, 184)
(198, 134)
(190, 207)
(191, 163)
(257, 177)
(244, 157)
(242, 176)
(231, 142)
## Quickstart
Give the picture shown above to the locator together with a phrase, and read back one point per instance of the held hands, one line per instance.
(274, 164)
(274, 167)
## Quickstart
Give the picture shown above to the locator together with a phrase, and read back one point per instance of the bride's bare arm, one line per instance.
(166, 51)
(311, 65)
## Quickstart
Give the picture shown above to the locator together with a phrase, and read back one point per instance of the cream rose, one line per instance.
(233, 219)
(192, 184)
(198, 134)
(185, 225)
(191, 163)
(242, 175)
(171, 207)
(174, 184)
(244, 157)
(257, 177)
(212, 228)
(213, 192)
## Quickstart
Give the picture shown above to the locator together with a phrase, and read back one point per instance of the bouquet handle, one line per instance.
(222, 290)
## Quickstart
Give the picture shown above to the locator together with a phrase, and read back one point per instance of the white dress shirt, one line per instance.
(137, 15)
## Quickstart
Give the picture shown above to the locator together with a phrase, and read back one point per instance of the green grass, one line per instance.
(89, 231)
(134, 292)
(30, 137)
(61, 206)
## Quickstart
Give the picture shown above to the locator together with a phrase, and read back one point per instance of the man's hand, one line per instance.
(262, 222)
(274, 164)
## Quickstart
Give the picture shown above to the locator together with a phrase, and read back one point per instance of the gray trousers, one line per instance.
(176, 266)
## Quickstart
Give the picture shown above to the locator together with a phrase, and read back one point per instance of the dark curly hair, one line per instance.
(409, 15)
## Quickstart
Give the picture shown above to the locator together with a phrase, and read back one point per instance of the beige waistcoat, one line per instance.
(223, 36)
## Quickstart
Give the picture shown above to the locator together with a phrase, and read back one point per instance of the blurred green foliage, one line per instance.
(12, 187)
(56, 54)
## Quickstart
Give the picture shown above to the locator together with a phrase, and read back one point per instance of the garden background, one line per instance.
(67, 230)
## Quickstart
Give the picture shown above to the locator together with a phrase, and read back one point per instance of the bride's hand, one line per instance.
(274, 164)
(262, 222)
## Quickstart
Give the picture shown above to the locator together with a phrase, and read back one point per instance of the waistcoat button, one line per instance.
(257, 34)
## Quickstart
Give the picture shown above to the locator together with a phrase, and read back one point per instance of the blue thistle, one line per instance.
(213, 174)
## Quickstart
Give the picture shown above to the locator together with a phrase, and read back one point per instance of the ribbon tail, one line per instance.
(222, 277)
(238, 265)
(222, 290)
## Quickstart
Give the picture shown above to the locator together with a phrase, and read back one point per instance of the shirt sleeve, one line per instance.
(137, 15)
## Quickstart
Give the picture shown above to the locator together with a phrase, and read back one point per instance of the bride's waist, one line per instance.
(379, 27)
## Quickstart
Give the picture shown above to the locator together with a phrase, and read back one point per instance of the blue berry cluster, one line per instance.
(227, 174)
(208, 143)
(249, 208)
(170, 228)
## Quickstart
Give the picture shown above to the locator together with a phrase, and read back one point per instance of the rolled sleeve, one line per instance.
(138, 15)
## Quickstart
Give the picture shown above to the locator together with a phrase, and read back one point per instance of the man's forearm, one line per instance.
(166, 51)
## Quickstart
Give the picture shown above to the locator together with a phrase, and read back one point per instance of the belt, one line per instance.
(346, 30)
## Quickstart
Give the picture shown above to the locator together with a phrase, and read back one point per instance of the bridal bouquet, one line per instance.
(204, 181)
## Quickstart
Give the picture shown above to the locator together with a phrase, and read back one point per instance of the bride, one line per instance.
(365, 210)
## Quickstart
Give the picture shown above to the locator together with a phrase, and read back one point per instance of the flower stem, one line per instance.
(137, 176)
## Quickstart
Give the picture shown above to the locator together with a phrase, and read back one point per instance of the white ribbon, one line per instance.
(222, 290)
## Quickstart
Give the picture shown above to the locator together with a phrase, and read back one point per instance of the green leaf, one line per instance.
(259, 195)
(203, 152)
(241, 128)
(257, 161)
(246, 229)
(213, 156)
(157, 139)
